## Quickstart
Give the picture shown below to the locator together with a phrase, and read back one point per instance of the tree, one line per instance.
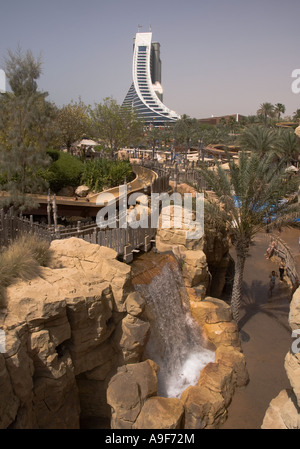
(258, 139)
(279, 109)
(246, 196)
(266, 110)
(296, 115)
(115, 125)
(186, 129)
(24, 130)
(287, 145)
(73, 123)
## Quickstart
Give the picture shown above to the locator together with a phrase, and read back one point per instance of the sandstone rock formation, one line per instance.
(161, 413)
(74, 342)
(284, 410)
(128, 391)
(66, 333)
(204, 260)
(206, 403)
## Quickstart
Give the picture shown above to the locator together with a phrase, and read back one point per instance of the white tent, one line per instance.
(86, 142)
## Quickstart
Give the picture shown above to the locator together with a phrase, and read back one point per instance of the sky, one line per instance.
(218, 56)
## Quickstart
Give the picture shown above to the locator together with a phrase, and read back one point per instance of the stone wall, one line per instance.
(284, 410)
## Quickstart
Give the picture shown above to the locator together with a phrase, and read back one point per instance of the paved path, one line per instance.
(266, 336)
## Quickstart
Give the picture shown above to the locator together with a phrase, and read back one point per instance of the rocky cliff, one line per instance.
(284, 410)
(66, 332)
(74, 343)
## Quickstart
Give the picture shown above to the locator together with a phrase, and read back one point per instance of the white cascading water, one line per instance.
(175, 342)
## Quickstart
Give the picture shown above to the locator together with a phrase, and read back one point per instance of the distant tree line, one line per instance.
(31, 125)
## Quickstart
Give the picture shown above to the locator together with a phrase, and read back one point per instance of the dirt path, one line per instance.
(266, 336)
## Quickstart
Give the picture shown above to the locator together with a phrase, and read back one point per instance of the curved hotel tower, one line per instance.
(146, 94)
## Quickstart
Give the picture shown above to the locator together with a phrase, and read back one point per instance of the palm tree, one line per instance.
(258, 138)
(296, 115)
(246, 195)
(266, 110)
(279, 109)
(288, 145)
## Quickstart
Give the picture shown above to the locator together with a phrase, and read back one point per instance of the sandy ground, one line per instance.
(265, 334)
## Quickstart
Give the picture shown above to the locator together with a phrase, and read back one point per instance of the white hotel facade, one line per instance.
(146, 94)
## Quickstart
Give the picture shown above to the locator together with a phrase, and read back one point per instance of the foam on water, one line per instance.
(187, 373)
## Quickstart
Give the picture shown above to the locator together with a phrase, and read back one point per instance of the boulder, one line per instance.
(294, 314)
(97, 263)
(130, 338)
(282, 412)
(9, 403)
(194, 268)
(215, 318)
(217, 377)
(128, 390)
(235, 359)
(82, 191)
(135, 304)
(203, 408)
(223, 333)
(160, 413)
(297, 131)
(211, 311)
(292, 368)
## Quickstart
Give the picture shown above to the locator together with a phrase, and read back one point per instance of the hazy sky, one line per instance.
(218, 56)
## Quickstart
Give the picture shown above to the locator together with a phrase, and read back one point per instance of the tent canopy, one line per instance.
(87, 142)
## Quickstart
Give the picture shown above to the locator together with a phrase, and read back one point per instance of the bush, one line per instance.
(64, 171)
(104, 173)
(54, 154)
(22, 259)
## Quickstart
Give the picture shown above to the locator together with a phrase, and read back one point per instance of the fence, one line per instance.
(123, 240)
(283, 251)
(178, 173)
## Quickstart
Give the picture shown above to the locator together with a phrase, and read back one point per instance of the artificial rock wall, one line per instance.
(66, 332)
(284, 410)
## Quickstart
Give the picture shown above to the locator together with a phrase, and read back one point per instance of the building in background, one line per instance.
(146, 93)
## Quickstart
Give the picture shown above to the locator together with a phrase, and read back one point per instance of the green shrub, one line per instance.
(105, 173)
(65, 171)
(22, 259)
(54, 154)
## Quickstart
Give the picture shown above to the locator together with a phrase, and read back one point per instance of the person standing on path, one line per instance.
(273, 276)
(281, 270)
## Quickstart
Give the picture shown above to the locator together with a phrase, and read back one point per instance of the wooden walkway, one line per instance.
(125, 241)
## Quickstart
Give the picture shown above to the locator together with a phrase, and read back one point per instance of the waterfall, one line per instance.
(175, 342)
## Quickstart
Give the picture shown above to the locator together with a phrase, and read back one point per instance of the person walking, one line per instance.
(273, 276)
(281, 270)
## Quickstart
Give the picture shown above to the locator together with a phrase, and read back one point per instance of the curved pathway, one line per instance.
(265, 334)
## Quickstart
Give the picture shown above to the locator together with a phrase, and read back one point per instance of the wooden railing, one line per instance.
(123, 240)
(282, 250)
